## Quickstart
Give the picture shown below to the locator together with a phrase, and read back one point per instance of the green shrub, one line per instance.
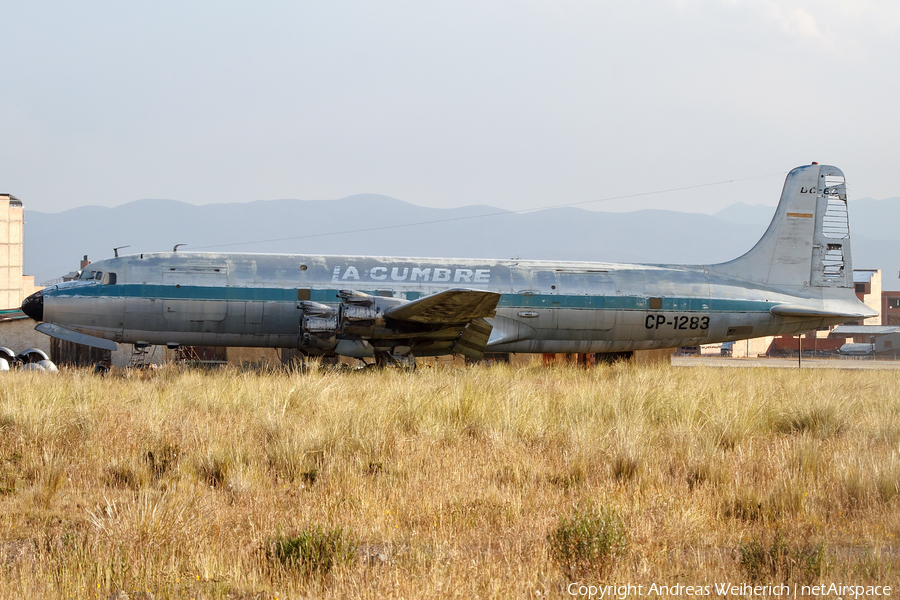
(779, 560)
(588, 542)
(314, 551)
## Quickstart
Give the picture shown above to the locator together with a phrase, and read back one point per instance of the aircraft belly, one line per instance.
(590, 321)
(543, 329)
(136, 306)
(199, 338)
(100, 312)
(207, 322)
(207, 311)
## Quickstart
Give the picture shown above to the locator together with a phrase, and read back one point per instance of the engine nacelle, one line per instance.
(319, 332)
(316, 309)
(320, 325)
(358, 317)
(360, 320)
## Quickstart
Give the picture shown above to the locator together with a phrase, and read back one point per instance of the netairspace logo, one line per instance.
(834, 590)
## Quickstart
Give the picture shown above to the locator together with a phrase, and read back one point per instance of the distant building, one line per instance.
(16, 329)
(890, 308)
(14, 286)
(867, 283)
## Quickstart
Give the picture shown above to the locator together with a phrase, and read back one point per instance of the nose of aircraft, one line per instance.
(33, 306)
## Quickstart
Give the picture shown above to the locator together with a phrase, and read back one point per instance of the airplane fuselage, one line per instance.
(796, 278)
(256, 300)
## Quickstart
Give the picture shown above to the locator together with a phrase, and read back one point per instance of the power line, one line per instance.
(493, 214)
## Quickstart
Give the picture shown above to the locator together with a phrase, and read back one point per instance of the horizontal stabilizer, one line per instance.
(794, 310)
(447, 307)
(73, 336)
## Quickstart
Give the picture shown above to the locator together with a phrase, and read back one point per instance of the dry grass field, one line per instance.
(480, 482)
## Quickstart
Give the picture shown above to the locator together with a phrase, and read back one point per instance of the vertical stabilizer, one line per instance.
(808, 242)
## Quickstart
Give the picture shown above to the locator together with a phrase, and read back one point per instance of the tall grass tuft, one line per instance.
(778, 560)
(161, 459)
(212, 469)
(821, 421)
(888, 483)
(122, 474)
(47, 475)
(588, 542)
(313, 552)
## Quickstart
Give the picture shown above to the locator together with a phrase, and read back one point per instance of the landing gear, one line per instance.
(140, 355)
(102, 366)
(101, 369)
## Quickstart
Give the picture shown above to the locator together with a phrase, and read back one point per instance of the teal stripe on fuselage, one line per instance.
(250, 294)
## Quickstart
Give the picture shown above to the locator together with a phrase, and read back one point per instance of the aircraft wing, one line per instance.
(73, 336)
(447, 307)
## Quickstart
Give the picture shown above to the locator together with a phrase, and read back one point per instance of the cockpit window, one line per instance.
(109, 279)
(87, 275)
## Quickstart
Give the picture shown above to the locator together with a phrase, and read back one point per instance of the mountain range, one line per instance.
(374, 224)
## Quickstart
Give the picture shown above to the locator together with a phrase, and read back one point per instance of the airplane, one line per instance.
(798, 277)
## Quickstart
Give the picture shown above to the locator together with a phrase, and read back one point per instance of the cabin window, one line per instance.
(654, 303)
(385, 293)
(303, 295)
(109, 279)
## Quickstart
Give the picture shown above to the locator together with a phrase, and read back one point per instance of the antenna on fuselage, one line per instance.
(116, 250)
(175, 249)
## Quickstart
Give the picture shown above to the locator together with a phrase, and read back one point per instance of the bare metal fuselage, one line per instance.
(255, 300)
(796, 278)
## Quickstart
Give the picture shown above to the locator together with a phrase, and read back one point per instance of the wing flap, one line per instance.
(473, 340)
(447, 307)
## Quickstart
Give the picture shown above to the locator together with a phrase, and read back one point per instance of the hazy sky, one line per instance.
(513, 104)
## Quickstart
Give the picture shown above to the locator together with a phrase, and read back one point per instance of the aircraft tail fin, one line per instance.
(808, 242)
